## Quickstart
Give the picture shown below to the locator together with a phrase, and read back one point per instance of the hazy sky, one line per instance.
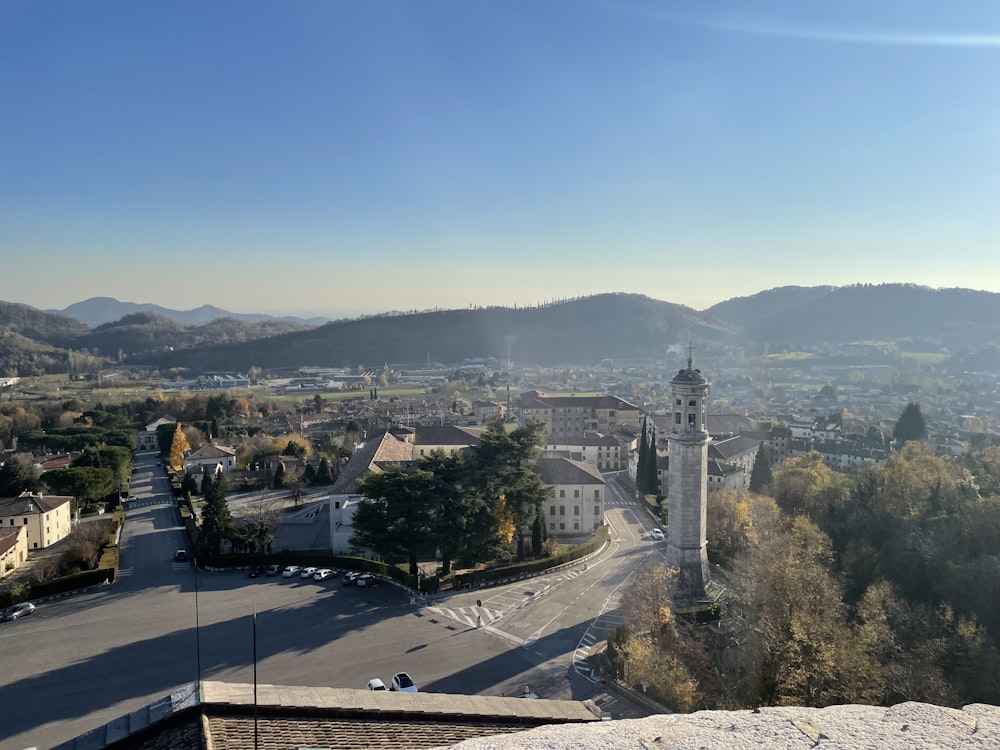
(330, 157)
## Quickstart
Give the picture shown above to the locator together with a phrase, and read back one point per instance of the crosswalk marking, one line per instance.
(122, 572)
(182, 566)
(468, 615)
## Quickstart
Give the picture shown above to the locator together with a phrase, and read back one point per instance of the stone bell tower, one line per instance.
(687, 489)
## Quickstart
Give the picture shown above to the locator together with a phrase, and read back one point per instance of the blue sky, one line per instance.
(334, 157)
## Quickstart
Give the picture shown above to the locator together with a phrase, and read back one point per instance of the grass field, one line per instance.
(925, 358)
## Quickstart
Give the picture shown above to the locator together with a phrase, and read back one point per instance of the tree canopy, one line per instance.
(911, 425)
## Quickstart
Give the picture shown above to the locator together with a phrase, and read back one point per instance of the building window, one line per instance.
(576, 493)
(576, 525)
(597, 510)
(552, 526)
(597, 494)
(562, 493)
(678, 402)
(692, 402)
(25, 521)
(576, 510)
(677, 417)
(562, 527)
(691, 420)
(552, 510)
(562, 510)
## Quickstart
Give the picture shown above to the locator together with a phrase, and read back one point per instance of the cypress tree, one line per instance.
(760, 475)
(640, 469)
(652, 480)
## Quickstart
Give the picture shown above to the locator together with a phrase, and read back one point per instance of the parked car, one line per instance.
(132, 497)
(350, 578)
(181, 555)
(657, 535)
(322, 574)
(402, 683)
(291, 571)
(272, 570)
(255, 571)
(367, 580)
(18, 610)
(307, 572)
(376, 684)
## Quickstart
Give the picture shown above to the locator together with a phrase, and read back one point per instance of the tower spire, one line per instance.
(690, 354)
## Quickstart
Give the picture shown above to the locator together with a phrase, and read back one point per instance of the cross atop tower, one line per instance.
(690, 351)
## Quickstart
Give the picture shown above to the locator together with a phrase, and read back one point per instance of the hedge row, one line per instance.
(463, 580)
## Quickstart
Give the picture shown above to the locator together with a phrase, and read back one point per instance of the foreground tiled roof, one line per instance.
(222, 718)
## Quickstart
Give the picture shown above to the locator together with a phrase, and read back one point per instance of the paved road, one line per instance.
(96, 656)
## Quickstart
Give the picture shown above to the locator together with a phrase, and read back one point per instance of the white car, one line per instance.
(376, 684)
(657, 535)
(402, 683)
(367, 580)
(307, 573)
(18, 610)
(322, 574)
(291, 571)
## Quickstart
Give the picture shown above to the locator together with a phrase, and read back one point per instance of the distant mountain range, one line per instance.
(99, 310)
(585, 330)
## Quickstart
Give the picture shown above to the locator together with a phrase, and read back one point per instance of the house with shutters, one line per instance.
(576, 505)
(46, 518)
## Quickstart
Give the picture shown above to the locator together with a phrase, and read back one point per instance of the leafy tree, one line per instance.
(17, 475)
(216, 520)
(911, 425)
(504, 465)
(178, 447)
(805, 485)
(86, 484)
(395, 518)
(760, 475)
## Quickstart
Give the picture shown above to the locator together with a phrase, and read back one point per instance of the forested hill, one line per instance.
(30, 323)
(885, 312)
(576, 331)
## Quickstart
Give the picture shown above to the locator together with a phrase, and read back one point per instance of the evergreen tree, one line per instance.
(911, 425)
(324, 475)
(505, 466)
(537, 529)
(206, 481)
(189, 485)
(279, 476)
(216, 520)
(652, 479)
(309, 475)
(178, 447)
(640, 469)
(760, 475)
